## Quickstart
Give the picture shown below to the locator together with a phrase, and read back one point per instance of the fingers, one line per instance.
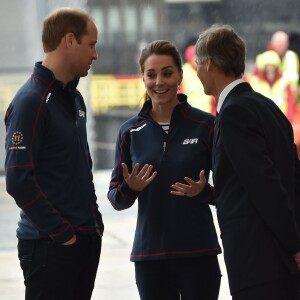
(192, 188)
(138, 180)
(297, 259)
(202, 178)
(145, 172)
(125, 171)
(71, 241)
(180, 189)
(135, 169)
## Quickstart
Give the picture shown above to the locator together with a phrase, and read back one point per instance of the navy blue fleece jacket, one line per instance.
(167, 226)
(48, 164)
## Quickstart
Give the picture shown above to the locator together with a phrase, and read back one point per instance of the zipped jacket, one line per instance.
(168, 226)
(48, 163)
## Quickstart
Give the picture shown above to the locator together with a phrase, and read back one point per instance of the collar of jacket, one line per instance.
(47, 76)
(144, 112)
(241, 88)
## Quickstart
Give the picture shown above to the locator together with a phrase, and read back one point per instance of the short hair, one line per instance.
(62, 21)
(225, 47)
(160, 47)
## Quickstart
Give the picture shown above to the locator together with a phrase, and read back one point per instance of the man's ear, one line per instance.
(69, 39)
(209, 64)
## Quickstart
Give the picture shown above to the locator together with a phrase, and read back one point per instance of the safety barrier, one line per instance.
(115, 91)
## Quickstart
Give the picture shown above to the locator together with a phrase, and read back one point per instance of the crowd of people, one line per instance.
(275, 75)
(163, 158)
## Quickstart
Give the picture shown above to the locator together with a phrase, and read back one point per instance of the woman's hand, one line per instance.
(138, 180)
(191, 189)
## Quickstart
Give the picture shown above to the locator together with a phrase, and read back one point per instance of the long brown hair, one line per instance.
(159, 47)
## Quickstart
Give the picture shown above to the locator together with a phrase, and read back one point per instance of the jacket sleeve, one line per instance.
(248, 152)
(297, 186)
(97, 213)
(26, 124)
(119, 194)
(208, 194)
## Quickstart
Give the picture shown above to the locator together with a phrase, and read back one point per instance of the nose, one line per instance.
(95, 54)
(159, 79)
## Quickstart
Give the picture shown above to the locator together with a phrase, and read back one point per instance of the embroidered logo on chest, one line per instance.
(81, 113)
(190, 141)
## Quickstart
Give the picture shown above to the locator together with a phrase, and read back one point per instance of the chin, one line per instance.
(84, 74)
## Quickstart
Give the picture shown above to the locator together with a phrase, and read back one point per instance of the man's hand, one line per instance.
(297, 259)
(71, 241)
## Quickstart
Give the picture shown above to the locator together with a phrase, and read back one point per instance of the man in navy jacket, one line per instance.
(48, 165)
(256, 175)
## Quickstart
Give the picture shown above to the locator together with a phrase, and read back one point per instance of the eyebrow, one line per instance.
(166, 67)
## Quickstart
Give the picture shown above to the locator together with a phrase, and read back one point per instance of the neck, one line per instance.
(57, 65)
(161, 116)
(162, 113)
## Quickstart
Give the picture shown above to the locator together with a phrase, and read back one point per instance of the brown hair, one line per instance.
(62, 21)
(159, 47)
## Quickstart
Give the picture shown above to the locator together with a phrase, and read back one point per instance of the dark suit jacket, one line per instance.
(256, 178)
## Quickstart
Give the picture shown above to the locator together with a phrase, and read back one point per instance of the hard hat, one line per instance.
(267, 58)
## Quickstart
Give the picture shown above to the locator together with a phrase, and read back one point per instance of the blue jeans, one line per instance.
(193, 278)
(56, 272)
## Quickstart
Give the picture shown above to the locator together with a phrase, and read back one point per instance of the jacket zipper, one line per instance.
(164, 148)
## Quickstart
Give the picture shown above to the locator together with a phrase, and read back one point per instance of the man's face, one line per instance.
(85, 52)
(202, 73)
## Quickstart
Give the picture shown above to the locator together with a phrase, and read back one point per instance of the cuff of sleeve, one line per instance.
(127, 191)
(63, 236)
(208, 194)
(100, 224)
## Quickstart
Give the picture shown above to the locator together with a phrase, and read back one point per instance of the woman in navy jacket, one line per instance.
(169, 142)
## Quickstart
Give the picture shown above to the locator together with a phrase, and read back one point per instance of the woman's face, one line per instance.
(161, 78)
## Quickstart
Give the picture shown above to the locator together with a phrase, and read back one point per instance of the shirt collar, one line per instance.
(226, 91)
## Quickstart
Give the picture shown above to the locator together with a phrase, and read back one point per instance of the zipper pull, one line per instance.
(164, 146)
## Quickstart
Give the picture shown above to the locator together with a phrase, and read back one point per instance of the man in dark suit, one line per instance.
(256, 174)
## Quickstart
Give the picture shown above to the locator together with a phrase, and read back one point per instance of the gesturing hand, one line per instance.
(297, 259)
(191, 189)
(137, 181)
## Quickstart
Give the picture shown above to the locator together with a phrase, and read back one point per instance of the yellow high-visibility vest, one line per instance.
(277, 92)
(193, 88)
(290, 68)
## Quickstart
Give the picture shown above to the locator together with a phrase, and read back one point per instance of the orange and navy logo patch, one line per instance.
(17, 139)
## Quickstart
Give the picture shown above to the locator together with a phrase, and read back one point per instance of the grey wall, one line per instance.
(19, 34)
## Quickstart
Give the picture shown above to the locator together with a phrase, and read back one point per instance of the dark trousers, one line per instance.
(56, 272)
(285, 289)
(195, 278)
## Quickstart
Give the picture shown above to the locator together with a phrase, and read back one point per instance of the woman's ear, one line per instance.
(180, 77)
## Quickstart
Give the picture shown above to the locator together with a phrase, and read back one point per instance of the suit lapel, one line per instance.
(240, 88)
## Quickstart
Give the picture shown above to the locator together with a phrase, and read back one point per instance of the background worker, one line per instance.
(270, 82)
